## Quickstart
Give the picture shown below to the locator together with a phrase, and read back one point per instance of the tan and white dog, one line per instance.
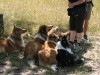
(32, 47)
(47, 56)
(14, 42)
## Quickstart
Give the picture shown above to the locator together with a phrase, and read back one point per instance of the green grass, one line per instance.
(32, 13)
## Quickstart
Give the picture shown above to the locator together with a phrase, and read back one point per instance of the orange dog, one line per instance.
(14, 42)
(32, 47)
(47, 56)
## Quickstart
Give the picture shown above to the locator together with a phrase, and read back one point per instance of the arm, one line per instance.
(71, 5)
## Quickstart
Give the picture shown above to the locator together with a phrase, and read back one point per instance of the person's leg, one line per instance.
(79, 40)
(72, 35)
(79, 37)
(86, 23)
(72, 29)
(79, 28)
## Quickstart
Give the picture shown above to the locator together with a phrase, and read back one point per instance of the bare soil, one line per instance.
(14, 64)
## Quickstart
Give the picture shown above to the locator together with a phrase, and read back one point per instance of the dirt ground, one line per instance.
(14, 64)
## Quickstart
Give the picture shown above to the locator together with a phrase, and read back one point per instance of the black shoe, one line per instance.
(85, 37)
(72, 45)
(86, 40)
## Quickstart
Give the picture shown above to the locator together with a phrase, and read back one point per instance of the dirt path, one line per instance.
(13, 64)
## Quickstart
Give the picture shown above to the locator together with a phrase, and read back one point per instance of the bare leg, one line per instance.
(86, 22)
(79, 37)
(72, 36)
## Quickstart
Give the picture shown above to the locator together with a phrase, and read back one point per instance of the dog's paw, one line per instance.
(32, 65)
(53, 67)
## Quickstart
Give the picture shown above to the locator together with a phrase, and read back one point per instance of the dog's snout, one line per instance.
(57, 27)
(25, 30)
(51, 25)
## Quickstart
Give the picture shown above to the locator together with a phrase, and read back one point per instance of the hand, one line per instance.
(70, 5)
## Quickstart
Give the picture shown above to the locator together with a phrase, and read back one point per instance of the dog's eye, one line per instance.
(19, 29)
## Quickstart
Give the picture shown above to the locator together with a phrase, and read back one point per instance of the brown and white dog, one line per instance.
(14, 42)
(32, 47)
(47, 56)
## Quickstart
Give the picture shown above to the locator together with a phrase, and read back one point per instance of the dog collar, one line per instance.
(51, 41)
(9, 38)
(39, 36)
(23, 44)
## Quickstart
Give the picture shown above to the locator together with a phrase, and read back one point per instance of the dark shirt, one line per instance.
(72, 1)
(81, 5)
(91, 3)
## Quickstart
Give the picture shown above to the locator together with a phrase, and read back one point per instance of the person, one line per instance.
(86, 21)
(77, 13)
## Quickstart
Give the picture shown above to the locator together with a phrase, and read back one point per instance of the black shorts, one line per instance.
(76, 21)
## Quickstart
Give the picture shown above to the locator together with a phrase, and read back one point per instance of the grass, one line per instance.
(30, 14)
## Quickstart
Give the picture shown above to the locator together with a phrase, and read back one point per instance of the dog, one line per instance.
(32, 47)
(47, 56)
(14, 42)
(65, 57)
(63, 43)
(3, 44)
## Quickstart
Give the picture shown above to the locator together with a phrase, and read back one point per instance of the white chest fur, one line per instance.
(39, 36)
(22, 44)
(59, 46)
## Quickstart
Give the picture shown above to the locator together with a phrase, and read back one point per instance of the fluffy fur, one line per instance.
(32, 47)
(65, 57)
(63, 44)
(47, 56)
(14, 42)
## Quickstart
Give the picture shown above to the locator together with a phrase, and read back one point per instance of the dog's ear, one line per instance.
(14, 26)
